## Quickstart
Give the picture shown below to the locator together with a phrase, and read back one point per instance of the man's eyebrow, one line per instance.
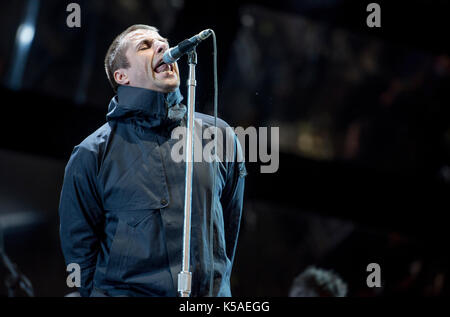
(139, 43)
(150, 40)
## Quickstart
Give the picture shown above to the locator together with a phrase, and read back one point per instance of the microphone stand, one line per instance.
(185, 277)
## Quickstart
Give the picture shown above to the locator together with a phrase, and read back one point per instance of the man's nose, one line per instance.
(161, 47)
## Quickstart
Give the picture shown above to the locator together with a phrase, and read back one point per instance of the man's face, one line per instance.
(144, 53)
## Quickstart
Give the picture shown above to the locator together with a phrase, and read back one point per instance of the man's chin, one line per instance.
(170, 87)
(160, 86)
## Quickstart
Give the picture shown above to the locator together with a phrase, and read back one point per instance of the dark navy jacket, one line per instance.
(122, 203)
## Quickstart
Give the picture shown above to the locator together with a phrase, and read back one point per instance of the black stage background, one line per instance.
(364, 166)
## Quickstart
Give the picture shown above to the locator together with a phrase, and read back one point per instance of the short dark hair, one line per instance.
(115, 56)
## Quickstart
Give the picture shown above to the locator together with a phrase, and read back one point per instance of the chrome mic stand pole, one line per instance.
(185, 277)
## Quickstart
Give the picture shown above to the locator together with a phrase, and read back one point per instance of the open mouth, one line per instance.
(162, 67)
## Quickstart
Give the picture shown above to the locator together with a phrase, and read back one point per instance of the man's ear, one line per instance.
(121, 77)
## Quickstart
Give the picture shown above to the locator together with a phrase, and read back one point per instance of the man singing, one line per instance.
(122, 202)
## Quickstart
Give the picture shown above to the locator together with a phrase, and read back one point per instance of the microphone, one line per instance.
(174, 53)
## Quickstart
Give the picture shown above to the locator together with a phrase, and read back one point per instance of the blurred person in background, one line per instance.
(317, 282)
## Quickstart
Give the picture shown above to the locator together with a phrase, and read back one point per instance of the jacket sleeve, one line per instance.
(232, 199)
(80, 215)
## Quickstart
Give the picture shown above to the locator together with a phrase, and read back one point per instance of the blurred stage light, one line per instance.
(14, 220)
(24, 39)
(25, 34)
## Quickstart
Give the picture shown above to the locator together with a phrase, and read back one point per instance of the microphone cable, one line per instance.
(215, 162)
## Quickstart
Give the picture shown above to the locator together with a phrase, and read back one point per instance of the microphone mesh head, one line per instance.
(204, 34)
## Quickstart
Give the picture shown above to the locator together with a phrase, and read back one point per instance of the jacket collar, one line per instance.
(147, 107)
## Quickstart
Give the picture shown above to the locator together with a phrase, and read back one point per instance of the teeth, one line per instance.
(159, 64)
